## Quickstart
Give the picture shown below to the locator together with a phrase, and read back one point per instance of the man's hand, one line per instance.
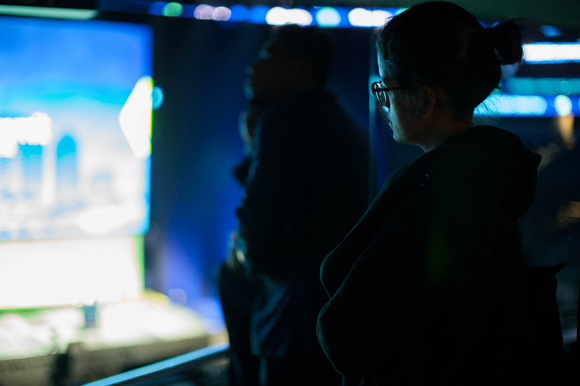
(235, 258)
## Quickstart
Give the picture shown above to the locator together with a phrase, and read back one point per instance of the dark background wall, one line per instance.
(201, 67)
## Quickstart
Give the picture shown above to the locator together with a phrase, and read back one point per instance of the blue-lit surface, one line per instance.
(85, 180)
(159, 367)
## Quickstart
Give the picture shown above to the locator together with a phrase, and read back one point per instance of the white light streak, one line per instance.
(135, 118)
(563, 105)
(204, 12)
(551, 53)
(221, 14)
(360, 17)
(281, 16)
(328, 17)
(49, 12)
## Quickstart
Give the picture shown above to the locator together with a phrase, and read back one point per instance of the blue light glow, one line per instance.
(157, 97)
(239, 13)
(257, 14)
(156, 8)
(563, 105)
(550, 31)
(328, 17)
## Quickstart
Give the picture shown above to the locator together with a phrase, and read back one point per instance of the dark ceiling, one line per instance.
(564, 14)
(560, 13)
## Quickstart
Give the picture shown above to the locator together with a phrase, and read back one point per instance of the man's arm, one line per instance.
(271, 207)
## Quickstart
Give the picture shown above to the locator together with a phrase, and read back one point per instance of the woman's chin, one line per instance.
(396, 136)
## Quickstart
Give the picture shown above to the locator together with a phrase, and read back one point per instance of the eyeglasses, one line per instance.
(380, 93)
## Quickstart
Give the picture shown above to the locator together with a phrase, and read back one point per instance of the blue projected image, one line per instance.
(75, 121)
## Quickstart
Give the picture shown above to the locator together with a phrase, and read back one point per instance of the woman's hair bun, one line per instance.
(507, 41)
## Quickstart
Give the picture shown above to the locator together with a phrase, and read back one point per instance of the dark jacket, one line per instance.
(428, 286)
(306, 188)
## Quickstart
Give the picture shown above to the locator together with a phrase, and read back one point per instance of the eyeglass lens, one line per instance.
(381, 96)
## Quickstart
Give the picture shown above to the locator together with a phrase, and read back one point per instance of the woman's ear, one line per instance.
(428, 101)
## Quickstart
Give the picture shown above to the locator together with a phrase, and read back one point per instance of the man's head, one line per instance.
(295, 59)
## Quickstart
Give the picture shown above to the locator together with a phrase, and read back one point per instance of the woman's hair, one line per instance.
(441, 45)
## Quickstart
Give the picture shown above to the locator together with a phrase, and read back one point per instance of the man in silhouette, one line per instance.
(306, 186)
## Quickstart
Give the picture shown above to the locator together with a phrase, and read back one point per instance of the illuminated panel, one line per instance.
(542, 86)
(49, 12)
(552, 52)
(43, 273)
(74, 131)
(528, 106)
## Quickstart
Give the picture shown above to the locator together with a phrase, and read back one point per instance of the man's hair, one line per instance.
(310, 43)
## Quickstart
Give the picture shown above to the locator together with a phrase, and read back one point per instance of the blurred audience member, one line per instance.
(306, 186)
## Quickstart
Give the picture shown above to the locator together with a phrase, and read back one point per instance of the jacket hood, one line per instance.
(496, 159)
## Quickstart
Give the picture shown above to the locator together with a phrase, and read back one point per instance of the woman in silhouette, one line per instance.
(428, 286)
